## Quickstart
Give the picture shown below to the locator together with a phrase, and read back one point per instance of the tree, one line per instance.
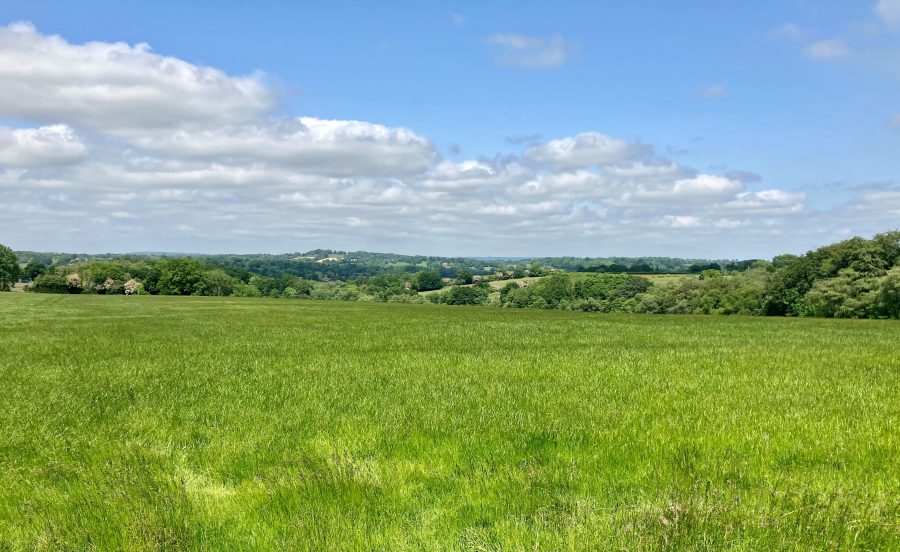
(181, 277)
(459, 295)
(888, 294)
(506, 290)
(245, 290)
(218, 282)
(33, 270)
(464, 276)
(428, 280)
(9, 268)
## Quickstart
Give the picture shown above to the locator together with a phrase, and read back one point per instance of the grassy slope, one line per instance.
(153, 422)
(497, 285)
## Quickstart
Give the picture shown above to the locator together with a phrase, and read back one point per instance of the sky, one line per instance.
(696, 129)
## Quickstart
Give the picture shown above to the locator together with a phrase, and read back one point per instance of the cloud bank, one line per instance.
(124, 149)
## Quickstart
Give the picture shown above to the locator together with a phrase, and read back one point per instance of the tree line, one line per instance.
(855, 278)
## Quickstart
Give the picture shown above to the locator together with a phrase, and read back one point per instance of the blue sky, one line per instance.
(800, 97)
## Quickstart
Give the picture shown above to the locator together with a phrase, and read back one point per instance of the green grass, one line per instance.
(497, 285)
(202, 423)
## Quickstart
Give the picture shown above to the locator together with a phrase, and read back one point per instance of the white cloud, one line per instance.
(317, 146)
(231, 176)
(681, 221)
(584, 150)
(833, 49)
(117, 88)
(768, 202)
(531, 52)
(707, 185)
(895, 121)
(44, 146)
(889, 12)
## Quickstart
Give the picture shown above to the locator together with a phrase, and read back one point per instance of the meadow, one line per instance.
(188, 423)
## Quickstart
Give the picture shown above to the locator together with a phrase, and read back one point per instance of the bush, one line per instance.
(50, 282)
(245, 290)
(429, 280)
(460, 295)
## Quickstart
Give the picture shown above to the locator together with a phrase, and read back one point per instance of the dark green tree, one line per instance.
(182, 277)
(428, 280)
(9, 268)
(33, 269)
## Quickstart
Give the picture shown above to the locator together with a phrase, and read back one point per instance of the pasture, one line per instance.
(185, 423)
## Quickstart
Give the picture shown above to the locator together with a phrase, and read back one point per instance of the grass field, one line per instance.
(497, 285)
(145, 423)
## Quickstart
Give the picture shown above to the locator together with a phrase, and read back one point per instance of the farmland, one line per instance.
(154, 422)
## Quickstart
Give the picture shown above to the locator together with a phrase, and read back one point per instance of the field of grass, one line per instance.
(176, 423)
(497, 285)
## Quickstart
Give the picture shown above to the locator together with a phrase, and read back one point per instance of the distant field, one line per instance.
(497, 285)
(185, 423)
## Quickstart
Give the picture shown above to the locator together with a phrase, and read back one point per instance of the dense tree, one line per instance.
(887, 294)
(428, 281)
(535, 269)
(465, 295)
(33, 269)
(218, 282)
(464, 276)
(181, 277)
(9, 268)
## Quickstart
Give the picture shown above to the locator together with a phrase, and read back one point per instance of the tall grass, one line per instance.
(145, 423)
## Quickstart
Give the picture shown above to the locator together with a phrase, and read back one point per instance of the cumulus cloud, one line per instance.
(707, 185)
(584, 150)
(768, 202)
(530, 52)
(45, 146)
(162, 154)
(328, 147)
(116, 87)
(681, 221)
(833, 49)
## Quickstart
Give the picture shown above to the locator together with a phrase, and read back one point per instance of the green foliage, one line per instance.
(33, 269)
(711, 273)
(180, 277)
(428, 281)
(388, 285)
(535, 269)
(867, 258)
(50, 282)
(9, 268)
(241, 289)
(218, 282)
(887, 294)
(462, 295)
(846, 279)
(464, 276)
